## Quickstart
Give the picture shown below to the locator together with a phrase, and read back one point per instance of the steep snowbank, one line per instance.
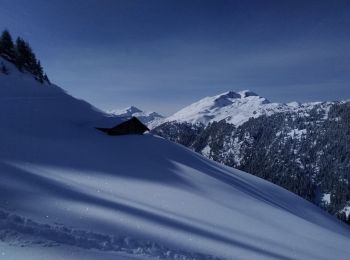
(62, 180)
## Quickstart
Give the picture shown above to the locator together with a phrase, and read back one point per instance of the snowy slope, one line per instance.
(69, 191)
(234, 107)
(148, 118)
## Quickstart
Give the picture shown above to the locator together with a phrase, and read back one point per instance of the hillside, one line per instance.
(301, 147)
(69, 191)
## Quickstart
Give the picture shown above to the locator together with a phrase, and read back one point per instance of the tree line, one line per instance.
(313, 164)
(21, 54)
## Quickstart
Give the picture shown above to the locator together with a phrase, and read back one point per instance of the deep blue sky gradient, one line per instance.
(161, 55)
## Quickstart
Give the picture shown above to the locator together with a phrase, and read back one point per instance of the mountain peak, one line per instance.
(132, 109)
(148, 118)
(247, 93)
(241, 94)
(234, 107)
(230, 94)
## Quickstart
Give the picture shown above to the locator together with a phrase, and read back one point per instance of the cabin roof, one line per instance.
(131, 126)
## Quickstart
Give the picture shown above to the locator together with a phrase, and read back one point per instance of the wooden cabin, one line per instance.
(131, 126)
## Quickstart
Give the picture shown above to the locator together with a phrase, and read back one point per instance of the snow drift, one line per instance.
(72, 188)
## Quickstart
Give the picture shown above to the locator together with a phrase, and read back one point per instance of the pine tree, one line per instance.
(3, 69)
(7, 49)
(38, 72)
(46, 78)
(33, 62)
(26, 60)
(24, 55)
(342, 216)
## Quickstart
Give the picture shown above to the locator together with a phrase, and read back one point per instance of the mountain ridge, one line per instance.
(235, 108)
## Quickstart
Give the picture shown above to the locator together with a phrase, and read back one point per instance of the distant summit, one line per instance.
(132, 110)
(247, 93)
(240, 94)
(233, 107)
(148, 118)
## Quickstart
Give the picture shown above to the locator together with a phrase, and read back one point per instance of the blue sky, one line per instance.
(162, 55)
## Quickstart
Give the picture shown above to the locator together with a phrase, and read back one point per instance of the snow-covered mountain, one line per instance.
(302, 147)
(149, 118)
(69, 191)
(234, 107)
